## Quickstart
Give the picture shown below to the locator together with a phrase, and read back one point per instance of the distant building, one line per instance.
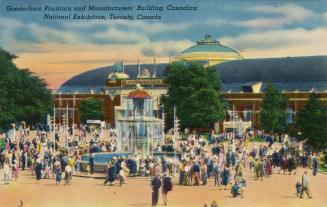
(243, 82)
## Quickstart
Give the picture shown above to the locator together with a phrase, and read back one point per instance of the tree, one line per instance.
(312, 122)
(273, 114)
(23, 95)
(195, 91)
(91, 109)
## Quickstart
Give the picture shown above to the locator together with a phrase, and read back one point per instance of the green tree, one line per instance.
(273, 114)
(23, 95)
(312, 122)
(91, 109)
(195, 91)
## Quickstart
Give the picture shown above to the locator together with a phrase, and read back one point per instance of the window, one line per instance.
(247, 114)
(290, 115)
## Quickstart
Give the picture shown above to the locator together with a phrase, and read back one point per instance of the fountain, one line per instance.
(138, 130)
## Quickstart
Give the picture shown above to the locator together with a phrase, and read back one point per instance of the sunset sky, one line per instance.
(59, 49)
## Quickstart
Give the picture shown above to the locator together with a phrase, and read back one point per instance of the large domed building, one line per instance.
(209, 51)
(243, 81)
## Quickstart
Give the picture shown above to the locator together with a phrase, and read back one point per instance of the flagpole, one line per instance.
(54, 126)
(122, 62)
(74, 104)
(67, 123)
(138, 68)
(154, 67)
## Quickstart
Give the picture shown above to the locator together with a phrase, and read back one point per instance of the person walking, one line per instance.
(167, 186)
(226, 177)
(217, 173)
(57, 170)
(196, 171)
(15, 170)
(91, 161)
(204, 175)
(6, 172)
(68, 174)
(111, 173)
(38, 171)
(181, 173)
(315, 165)
(24, 158)
(305, 185)
(256, 169)
(156, 184)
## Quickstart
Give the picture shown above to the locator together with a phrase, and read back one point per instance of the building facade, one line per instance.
(243, 82)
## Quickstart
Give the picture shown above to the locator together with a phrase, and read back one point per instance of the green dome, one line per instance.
(209, 48)
(209, 45)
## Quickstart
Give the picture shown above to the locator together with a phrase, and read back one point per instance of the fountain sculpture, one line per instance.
(138, 130)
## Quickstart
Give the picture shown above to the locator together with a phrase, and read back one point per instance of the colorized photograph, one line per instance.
(181, 103)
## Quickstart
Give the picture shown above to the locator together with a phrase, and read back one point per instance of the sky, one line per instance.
(56, 50)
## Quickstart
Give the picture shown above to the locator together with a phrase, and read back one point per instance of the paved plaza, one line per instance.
(277, 190)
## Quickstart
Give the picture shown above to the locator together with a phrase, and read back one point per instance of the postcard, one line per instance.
(182, 103)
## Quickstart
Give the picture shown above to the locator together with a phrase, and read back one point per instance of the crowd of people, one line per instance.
(224, 159)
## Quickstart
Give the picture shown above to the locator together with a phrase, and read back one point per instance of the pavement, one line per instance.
(276, 190)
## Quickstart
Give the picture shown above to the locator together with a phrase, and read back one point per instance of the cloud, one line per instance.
(115, 36)
(148, 51)
(279, 16)
(140, 26)
(9, 23)
(18, 37)
(214, 22)
(165, 48)
(276, 43)
(46, 34)
(324, 17)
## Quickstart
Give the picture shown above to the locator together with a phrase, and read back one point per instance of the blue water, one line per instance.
(103, 158)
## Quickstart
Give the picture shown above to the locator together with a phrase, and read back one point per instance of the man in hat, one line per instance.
(156, 184)
(305, 185)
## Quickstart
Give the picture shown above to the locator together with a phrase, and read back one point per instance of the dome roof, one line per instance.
(139, 94)
(209, 50)
(209, 45)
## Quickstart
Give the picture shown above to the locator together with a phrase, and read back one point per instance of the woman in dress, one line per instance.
(57, 171)
(204, 175)
(167, 185)
(226, 177)
(15, 170)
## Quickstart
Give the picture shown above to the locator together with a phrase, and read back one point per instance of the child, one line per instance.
(88, 169)
(298, 187)
(251, 162)
(121, 177)
(47, 171)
